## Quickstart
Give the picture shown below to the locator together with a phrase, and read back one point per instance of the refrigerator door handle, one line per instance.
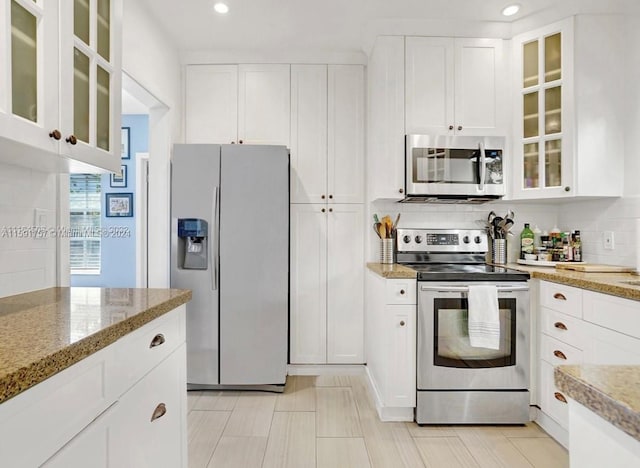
(213, 249)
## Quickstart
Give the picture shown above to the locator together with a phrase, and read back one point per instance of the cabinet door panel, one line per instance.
(264, 108)
(401, 327)
(385, 150)
(29, 72)
(211, 103)
(308, 133)
(479, 87)
(146, 434)
(429, 93)
(346, 134)
(91, 83)
(345, 290)
(308, 334)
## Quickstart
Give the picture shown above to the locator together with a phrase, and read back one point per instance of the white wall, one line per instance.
(26, 264)
(152, 60)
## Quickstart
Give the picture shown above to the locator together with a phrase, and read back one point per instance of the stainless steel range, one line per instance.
(458, 383)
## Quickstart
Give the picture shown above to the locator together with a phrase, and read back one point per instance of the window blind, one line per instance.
(85, 211)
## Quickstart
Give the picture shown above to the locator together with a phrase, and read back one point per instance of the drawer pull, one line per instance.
(560, 296)
(560, 397)
(160, 411)
(402, 323)
(402, 292)
(560, 355)
(560, 325)
(157, 340)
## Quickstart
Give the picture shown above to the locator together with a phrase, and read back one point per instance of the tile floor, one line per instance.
(331, 422)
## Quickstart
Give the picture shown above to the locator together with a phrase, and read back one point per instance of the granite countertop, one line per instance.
(392, 271)
(607, 283)
(615, 284)
(44, 332)
(611, 392)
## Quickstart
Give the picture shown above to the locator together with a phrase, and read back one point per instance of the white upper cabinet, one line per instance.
(237, 104)
(569, 108)
(264, 104)
(29, 72)
(385, 103)
(91, 81)
(61, 83)
(308, 133)
(429, 66)
(453, 86)
(211, 103)
(345, 181)
(327, 133)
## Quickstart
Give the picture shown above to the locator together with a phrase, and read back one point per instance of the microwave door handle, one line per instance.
(482, 165)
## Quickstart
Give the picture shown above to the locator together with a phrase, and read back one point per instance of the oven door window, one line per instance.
(451, 341)
(455, 166)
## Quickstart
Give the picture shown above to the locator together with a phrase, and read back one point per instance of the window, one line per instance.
(84, 210)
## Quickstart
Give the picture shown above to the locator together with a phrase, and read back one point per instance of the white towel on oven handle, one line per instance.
(484, 316)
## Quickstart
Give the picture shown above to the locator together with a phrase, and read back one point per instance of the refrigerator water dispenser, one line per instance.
(192, 240)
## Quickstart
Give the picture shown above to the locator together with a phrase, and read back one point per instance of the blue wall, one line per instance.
(118, 255)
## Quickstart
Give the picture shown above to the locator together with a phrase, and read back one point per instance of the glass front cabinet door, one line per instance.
(29, 74)
(90, 61)
(543, 165)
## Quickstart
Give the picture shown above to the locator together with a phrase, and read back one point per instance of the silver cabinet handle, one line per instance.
(160, 411)
(157, 340)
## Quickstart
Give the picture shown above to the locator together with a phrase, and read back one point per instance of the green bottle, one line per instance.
(526, 241)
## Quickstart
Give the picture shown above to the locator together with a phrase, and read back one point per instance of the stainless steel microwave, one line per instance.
(454, 167)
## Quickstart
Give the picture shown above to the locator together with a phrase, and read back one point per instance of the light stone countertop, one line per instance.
(615, 284)
(392, 271)
(611, 392)
(44, 332)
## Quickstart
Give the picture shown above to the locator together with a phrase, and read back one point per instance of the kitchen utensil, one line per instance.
(375, 218)
(496, 229)
(382, 231)
(395, 224)
(376, 229)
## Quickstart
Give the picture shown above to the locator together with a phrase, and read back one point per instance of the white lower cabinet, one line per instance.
(327, 261)
(391, 345)
(95, 414)
(148, 421)
(580, 327)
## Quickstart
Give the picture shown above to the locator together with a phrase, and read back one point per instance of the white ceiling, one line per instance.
(328, 25)
(131, 105)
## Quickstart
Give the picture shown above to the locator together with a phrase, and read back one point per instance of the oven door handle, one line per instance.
(466, 288)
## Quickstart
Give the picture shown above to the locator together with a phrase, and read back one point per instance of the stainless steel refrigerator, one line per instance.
(230, 246)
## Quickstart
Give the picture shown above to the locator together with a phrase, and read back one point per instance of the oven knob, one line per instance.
(477, 240)
(406, 239)
(466, 239)
(419, 239)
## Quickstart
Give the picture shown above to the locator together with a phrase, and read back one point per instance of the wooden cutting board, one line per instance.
(594, 268)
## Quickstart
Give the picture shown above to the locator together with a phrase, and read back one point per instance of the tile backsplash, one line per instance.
(595, 217)
(26, 263)
(463, 216)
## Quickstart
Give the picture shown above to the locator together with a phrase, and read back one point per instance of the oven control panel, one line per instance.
(442, 240)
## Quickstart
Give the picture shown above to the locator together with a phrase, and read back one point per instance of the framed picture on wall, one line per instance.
(125, 149)
(119, 180)
(119, 205)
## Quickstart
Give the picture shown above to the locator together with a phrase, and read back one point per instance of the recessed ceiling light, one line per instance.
(221, 8)
(511, 10)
